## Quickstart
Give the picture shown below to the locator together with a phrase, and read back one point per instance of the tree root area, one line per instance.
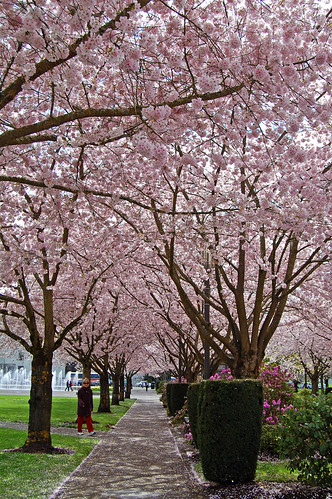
(51, 450)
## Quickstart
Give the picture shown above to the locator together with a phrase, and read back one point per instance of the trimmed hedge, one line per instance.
(229, 429)
(192, 398)
(176, 394)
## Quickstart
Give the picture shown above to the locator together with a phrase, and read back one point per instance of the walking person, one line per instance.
(67, 386)
(85, 407)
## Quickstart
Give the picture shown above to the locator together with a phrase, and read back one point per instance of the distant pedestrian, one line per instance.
(67, 386)
(146, 386)
(85, 407)
(71, 386)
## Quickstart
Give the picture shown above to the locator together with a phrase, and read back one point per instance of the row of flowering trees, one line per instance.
(190, 139)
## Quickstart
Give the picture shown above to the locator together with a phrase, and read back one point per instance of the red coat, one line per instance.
(85, 402)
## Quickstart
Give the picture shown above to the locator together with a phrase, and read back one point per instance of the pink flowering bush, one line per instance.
(223, 374)
(176, 380)
(188, 435)
(278, 392)
(181, 419)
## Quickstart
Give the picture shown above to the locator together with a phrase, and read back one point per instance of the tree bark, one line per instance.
(104, 404)
(86, 369)
(116, 389)
(40, 405)
(314, 377)
(129, 386)
(122, 388)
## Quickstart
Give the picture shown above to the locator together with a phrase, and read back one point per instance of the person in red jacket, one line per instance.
(85, 407)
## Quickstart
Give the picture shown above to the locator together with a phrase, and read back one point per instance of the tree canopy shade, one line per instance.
(172, 130)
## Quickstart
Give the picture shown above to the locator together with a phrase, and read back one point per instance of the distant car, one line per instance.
(302, 385)
(94, 382)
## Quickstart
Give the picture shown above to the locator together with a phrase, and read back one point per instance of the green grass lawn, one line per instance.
(267, 471)
(37, 475)
(274, 471)
(15, 408)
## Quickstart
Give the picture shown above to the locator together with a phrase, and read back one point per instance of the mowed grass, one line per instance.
(274, 471)
(267, 471)
(15, 408)
(37, 475)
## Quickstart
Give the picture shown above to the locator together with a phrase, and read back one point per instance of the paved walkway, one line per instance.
(138, 458)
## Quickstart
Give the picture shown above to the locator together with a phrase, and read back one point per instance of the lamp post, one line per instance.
(206, 374)
(206, 345)
(180, 361)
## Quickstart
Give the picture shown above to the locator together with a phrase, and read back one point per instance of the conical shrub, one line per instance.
(229, 429)
(192, 398)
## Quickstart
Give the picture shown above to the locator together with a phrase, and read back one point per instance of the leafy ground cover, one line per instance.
(15, 408)
(37, 475)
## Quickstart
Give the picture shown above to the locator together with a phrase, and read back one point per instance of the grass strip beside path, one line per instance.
(15, 408)
(267, 471)
(37, 475)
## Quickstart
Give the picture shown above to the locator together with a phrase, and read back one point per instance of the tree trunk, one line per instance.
(246, 365)
(314, 380)
(129, 386)
(86, 370)
(104, 404)
(116, 390)
(40, 405)
(122, 388)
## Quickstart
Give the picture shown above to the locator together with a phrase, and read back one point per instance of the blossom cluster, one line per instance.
(223, 374)
(176, 380)
(278, 391)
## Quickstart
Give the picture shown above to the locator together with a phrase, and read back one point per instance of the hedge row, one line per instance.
(176, 394)
(226, 423)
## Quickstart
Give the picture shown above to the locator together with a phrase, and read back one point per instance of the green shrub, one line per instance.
(229, 429)
(169, 398)
(192, 398)
(176, 394)
(305, 438)
(179, 419)
(159, 386)
(269, 439)
(163, 398)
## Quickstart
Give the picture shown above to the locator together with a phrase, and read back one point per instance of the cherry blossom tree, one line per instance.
(47, 281)
(304, 341)
(91, 343)
(203, 126)
(245, 179)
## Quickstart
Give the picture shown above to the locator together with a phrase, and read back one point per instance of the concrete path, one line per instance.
(138, 458)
